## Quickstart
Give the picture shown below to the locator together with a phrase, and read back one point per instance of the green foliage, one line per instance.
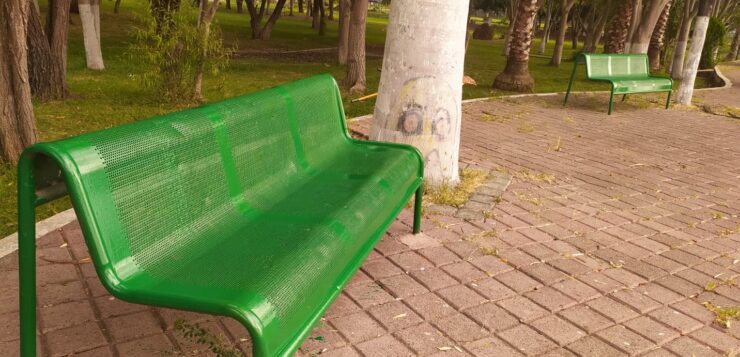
(169, 57)
(715, 38)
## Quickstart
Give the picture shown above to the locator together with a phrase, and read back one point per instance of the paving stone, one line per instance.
(601, 282)
(65, 315)
(342, 306)
(636, 300)
(155, 345)
(394, 315)
(439, 255)
(592, 346)
(358, 327)
(461, 297)
(434, 278)
(586, 318)
(491, 347)
(612, 309)
(410, 261)
(73, 339)
(492, 289)
(694, 310)
(381, 268)
(675, 319)
(111, 307)
(623, 276)
(686, 346)
(717, 339)
(527, 341)
(368, 294)
(557, 329)
(658, 293)
(524, 309)
(576, 289)
(491, 265)
(464, 272)
(626, 340)
(424, 339)
(679, 285)
(430, 306)
(385, 346)
(460, 328)
(544, 273)
(652, 330)
(402, 286)
(518, 281)
(492, 317)
(550, 299)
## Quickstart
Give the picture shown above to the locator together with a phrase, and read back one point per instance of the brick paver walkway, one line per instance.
(613, 233)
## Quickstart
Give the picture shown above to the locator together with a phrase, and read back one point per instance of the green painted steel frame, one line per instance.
(583, 56)
(36, 187)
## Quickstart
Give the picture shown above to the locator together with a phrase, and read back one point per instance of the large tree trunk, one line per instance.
(46, 69)
(322, 18)
(546, 29)
(300, 6)
(650, 15)
(616, 36)
(686, 88)
(557, 55)
(597, 31)
(511, 15)
(228, 4)
(17, 123)
(515, 76)
(735, 47)
(90, 18)
(656, 40)
(316, 13)
(355, 79)
(679, 52)
(634, 23)
(421, 83)
(207, 13)
(345, 7)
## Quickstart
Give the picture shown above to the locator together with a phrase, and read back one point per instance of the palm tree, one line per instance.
(515, 76)
(619, 28)
(557, 54)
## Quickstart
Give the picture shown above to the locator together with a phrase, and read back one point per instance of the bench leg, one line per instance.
(570, 82)
(27, 257)
(417, 208)
(611, 102)
(668, 101)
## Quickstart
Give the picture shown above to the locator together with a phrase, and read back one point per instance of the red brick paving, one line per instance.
(604, 247)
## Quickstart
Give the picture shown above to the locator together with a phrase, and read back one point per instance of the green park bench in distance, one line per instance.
(627, 74)
(260, 208)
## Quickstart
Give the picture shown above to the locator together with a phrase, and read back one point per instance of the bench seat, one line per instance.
(260, 208)
(638, 85)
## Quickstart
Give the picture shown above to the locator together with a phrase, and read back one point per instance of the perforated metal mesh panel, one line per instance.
(259, 202)
(617, 65)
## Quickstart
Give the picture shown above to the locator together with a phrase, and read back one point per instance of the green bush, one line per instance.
(169, 56)
(714, 40)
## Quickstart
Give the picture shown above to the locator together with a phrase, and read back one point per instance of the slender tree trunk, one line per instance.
(651, 14)
(420, 96)
(228, 4)
(290, 12)
(575, 30)
(656, 40)
(322, 18)
(17, 123)
(557, 55)
(300, 6)
(515, 76)
(686, 88)
(598, 31)
(355, 79)
(618, 32)
(117, 6)
(331, 10)
(546, 29)
(345, 7)
(266, 32)
(316, 13)
(634, 23)
(239, 8)
(732, 55)
(204, 30)
(683, 37)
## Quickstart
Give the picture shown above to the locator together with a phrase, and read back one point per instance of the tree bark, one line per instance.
(204, 30)
(557, 55)
(117, 6)
(17, 122)
(618, 32)
(316, 13)
(598, 31)
(331, 10)
(355, 79)
(656, 40)
(228, 4)
(735, 47)
(345, 7)
(546, 29)
(290, 12)
(648, 20)
(419, 101)
(686, 88)
(511, 15)
(46, 69)
(300, 6)
(90, 18)
(634, 23)
(322, 18)
(515, 76)
(239, 8)
(679, 51)
(266, 32)
(575, 30)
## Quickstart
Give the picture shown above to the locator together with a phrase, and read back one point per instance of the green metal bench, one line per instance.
(627, 74)
(260, 208)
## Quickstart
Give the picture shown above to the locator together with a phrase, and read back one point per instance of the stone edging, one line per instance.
(9, 244)
(480, 204)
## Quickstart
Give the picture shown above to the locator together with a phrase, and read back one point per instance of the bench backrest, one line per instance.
(175, 182)
(616, 65)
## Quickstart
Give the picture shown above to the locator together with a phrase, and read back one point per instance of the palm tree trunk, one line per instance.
(557, 55)
(650, 16)
(657, 39)
(515, 76)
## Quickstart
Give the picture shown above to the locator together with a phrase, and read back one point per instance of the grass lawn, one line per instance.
(115, 96)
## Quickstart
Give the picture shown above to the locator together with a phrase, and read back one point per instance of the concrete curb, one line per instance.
(9, 244)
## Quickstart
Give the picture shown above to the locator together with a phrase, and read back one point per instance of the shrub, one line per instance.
(170, 55)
